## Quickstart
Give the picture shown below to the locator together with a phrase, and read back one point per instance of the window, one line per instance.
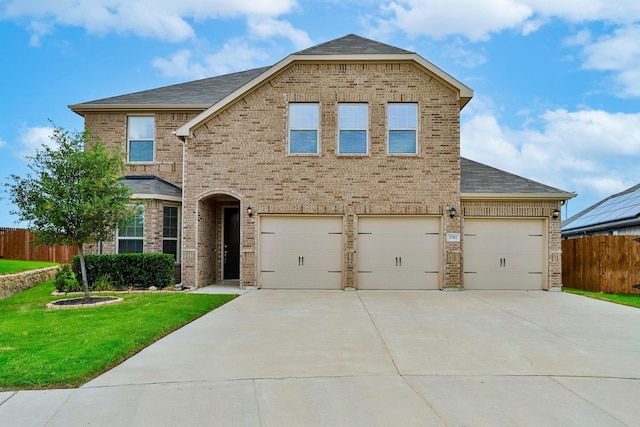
(131, 236)
(140, 139)
(303, 128)
(353, 122)
(403, 126)
(170, 231)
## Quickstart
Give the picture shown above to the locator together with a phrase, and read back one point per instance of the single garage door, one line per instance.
(504, 254)
(398, 252)
(301, 252)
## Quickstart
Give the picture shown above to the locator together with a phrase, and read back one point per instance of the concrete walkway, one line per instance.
(370, 358)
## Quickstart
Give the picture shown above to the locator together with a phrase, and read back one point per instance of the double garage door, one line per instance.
(504, 254)
(306, 252)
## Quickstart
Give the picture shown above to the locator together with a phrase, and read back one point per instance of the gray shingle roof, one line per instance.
(204, 92)
(150, 184)
(352, 44)
(478, 178)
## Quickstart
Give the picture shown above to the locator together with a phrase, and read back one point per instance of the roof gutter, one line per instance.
(517, 196)
(93, 107)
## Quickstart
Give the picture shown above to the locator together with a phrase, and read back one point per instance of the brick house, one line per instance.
(337, 167)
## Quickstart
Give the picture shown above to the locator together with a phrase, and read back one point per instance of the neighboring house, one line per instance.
(337, 167)
(616, 215)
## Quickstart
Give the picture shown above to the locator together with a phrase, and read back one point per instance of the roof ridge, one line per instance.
(351, 43)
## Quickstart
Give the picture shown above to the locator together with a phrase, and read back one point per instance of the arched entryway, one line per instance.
(218, 239)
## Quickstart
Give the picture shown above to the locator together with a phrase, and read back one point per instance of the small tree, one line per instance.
(75, 194)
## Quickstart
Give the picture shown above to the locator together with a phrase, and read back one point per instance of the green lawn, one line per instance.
(44, 348)
(8, 266)
(632, 300)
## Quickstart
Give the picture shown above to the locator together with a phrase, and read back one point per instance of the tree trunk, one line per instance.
(83, 269)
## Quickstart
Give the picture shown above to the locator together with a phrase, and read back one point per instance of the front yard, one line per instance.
(9, 266)
(625, 299)
(42, 348)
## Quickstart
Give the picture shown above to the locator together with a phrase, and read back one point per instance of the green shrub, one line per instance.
(103, 284)
(65, 280)
(127, 271)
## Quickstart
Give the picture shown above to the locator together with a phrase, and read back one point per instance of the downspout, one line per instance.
(183, 140)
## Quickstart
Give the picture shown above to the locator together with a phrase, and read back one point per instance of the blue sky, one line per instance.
(557, 83)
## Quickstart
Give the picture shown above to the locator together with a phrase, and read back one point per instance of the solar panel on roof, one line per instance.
(624, 206)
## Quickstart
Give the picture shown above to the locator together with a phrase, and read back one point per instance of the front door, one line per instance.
(231, 244)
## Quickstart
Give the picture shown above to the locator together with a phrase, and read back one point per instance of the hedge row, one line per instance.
(125, 271)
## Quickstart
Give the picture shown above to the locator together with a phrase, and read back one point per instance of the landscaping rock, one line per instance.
(11, 284)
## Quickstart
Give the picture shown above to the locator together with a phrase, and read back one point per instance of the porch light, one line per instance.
(249, 211)
(452, 212)
(556, 213)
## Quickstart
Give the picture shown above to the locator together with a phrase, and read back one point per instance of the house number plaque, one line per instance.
(453, 237)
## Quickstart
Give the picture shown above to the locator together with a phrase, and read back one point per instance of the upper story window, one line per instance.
(403, 128)
(353, 122)
(303, 128)
(140, 135)
(130, 238)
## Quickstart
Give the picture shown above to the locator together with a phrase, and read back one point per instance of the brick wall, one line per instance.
(112, 129)
(242, 151)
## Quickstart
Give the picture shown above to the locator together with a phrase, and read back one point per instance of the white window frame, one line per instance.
(342, 126)
(177, 238)
(119, 237)
(293, 128)
(415, 128)
(130, 139)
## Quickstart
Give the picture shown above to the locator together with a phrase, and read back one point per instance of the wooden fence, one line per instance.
(15, 243)
(609, 264)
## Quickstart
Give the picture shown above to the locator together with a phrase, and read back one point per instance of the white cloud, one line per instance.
(267, 27)
(161, 19)
(592, 152)
(3, 143)
(477, 20)
(618, 53)
(235, 55)
(32, 139)
(471, 18)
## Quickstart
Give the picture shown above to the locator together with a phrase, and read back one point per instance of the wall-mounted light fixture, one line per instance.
(452, 212)
(556, 213)
(249, 211)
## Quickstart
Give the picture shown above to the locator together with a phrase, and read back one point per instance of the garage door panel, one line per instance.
(390, 279)
(504, 254)
(398, 252)
(498, 281)
(301, 252)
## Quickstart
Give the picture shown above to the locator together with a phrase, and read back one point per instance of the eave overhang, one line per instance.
(517, 196)
(138, 108)
(165, 197)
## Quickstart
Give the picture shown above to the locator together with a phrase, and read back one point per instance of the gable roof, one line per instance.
(347, 48)
(479, 181)
(352, 44)
(212, 94)
(619, 210)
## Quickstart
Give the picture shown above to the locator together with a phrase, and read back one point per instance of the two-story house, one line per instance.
(338, 167)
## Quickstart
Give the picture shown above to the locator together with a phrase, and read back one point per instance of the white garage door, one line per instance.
(398, 252)
(504, 254)
(302, 252)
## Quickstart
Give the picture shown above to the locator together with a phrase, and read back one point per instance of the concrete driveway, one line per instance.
(370, 358)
